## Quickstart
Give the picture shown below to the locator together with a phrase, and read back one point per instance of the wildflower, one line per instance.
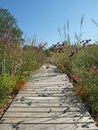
(25, 73)
(71, 80)
(93, 67)
(75, 75)
(85, 42)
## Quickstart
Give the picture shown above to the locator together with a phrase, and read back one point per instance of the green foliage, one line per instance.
(3, 100)
(81, 65)
(16, 65)
(7, 84)
(16, 60)
(94, 99)
(33, 58)
(22, 77)
(8, 26)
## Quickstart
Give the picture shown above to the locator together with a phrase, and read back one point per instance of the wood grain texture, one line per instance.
(47, 102)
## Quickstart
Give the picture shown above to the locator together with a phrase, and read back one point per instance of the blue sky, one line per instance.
(44, 17)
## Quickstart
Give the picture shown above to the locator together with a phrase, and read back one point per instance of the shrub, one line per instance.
(7, 84)
(81, 65)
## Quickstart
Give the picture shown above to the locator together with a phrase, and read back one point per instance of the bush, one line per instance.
(81, 65)
(94, 99)
(17, 63)
(7, 84)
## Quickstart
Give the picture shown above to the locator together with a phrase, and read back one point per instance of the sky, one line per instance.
(42, 18)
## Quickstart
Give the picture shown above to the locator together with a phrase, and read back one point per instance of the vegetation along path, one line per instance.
(47, 102)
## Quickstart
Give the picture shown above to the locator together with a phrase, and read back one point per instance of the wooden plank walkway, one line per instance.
(47, 103)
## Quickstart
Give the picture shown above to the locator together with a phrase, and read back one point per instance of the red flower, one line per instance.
(75, 75)
(93, 67)
(25, 73)
(71, 80)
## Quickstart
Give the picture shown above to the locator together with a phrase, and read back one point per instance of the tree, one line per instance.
(9, 29)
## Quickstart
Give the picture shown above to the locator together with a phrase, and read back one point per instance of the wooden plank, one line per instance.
(48, 88)
(49, 105)
(20, 109)
(20, 126)
(46, 101)
(44, 89)
(42, 101)
(45, 115)
(41, 94)
(53, 120)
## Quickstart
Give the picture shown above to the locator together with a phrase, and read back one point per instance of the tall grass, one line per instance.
(80, 62)
(16, 63)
